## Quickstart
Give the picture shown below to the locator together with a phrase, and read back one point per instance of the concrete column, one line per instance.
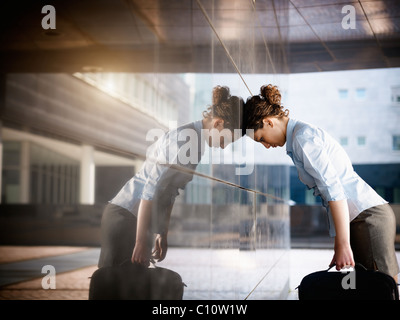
(87, 178)
(2, 106)
(25, 177)
(1, 158)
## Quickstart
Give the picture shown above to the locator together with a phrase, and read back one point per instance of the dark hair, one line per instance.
(228, 108)
(266, 104)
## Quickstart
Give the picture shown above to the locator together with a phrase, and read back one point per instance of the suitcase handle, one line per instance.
(128, 261)
(358, 266)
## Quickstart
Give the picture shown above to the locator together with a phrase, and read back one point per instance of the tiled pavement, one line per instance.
(21, 277)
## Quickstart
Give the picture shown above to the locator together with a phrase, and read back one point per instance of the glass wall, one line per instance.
(229, 233)
(34, 174)
(229, 229)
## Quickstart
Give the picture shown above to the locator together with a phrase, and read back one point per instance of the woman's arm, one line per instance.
(311, 151)
(141, 252)
(161, 242)
(343, 254)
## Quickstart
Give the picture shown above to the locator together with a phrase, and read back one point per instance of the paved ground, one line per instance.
(21, 277)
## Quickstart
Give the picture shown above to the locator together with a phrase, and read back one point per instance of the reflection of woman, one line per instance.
(145, 202)
(323, 165)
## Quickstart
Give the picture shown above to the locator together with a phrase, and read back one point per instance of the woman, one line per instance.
(362, 223)
(143, 206)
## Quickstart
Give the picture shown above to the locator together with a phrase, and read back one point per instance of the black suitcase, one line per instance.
(361, 284)
(135, 282)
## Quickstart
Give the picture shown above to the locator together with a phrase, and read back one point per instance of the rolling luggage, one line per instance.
(360, 284)
(135, 282)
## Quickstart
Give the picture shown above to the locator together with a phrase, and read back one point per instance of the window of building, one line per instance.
(344, 141)
(53, 178)
(380, 191)
(310, 199)
(396, 142)
(361, 141)
(11, 172)
(361, 93)
(396, 96)
(343, 93)
(396, 195)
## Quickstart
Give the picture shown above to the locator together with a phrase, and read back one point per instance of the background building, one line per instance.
(360, 109)
(42, 169)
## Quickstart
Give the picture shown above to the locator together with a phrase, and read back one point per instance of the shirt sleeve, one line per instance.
(312, 153)
(153, 181)
(158, 171)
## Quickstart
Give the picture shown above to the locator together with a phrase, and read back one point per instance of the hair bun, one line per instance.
(220, 94)
(271, 94)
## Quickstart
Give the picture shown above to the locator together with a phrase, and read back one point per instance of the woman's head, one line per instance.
(225, 115)
(265, 114)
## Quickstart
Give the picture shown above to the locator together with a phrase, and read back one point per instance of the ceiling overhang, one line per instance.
(200, 36)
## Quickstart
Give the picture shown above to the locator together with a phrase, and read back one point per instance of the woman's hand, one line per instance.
(160, 247)
(141, 254)
(343, 256)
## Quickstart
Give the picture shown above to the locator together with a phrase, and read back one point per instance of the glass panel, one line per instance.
(229, 230)
(343, 93)
(53, 177)
(396, 143)
(229, 247)
(11, 154)
(10, 186)
(10, 182)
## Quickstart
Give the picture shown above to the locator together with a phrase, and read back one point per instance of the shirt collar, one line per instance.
(289, 135)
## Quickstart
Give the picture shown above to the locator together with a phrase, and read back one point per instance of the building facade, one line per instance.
(57, 129)
(361, 109)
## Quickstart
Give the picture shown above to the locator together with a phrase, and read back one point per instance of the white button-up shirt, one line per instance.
(322, 164)
(160, 178)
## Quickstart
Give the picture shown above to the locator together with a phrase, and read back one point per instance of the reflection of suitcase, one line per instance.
(361, 284)
(134, 282)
